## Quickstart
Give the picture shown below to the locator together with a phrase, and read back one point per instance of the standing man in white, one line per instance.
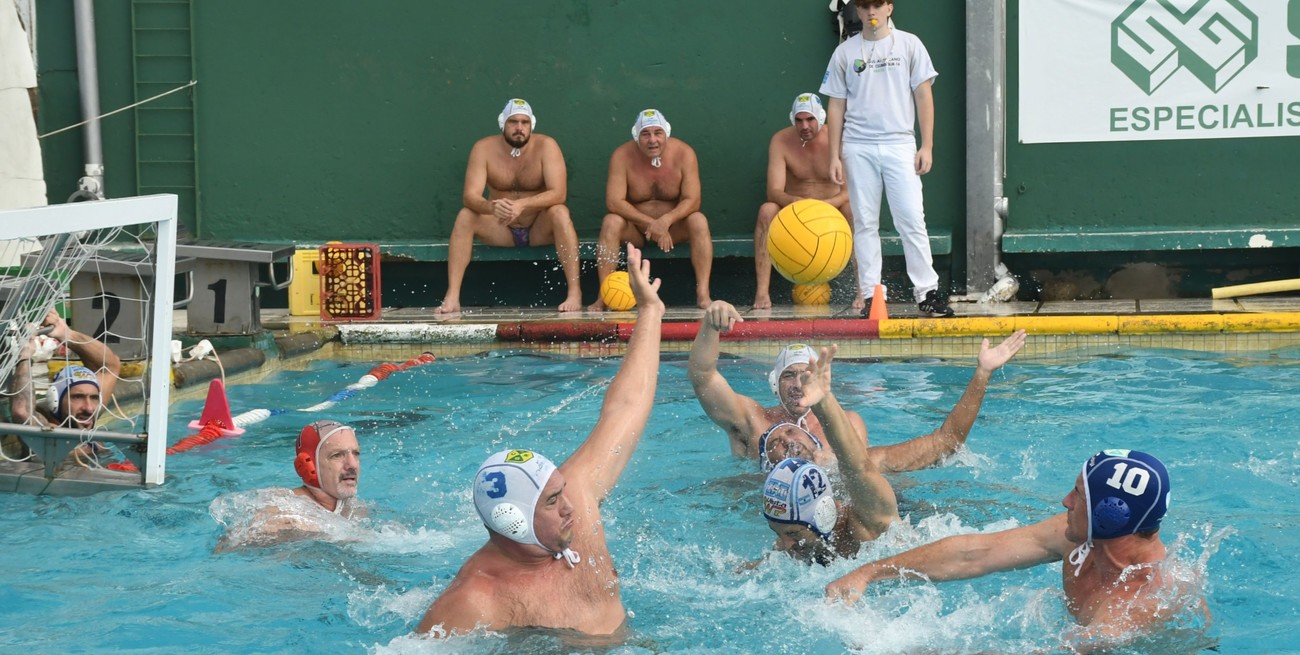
(879, 88)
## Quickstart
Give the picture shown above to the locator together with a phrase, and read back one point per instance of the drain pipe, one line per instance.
(91, 186)
(986, 204)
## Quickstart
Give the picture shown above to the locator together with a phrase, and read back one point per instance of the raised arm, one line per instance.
(20, 385)
(730, 410)
(927, 450)
(873, 499)
(961, 557)
(599, 461)
(93, 354)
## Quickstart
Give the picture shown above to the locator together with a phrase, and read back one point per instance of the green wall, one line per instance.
(334, 119)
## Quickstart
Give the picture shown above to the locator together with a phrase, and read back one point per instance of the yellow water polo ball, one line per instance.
(812, 294)
(810, 242)
(616, 292)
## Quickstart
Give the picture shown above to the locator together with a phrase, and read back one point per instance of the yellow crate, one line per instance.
(304, 291)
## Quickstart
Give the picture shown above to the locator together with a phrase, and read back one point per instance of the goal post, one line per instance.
(83, 246)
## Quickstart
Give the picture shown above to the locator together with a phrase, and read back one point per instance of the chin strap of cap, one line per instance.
(802, 419)
(570, 556)
(1078, 555)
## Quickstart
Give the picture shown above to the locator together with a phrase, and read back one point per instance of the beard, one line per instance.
(516, 142)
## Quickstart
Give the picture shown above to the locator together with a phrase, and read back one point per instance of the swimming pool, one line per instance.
(134, 570)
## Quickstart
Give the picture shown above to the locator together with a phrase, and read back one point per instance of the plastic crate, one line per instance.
(349, 282)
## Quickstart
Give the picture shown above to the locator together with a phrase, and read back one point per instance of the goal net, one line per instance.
(86, 285)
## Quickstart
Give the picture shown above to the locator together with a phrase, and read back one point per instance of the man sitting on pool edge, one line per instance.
(546, 563)
(328, 459)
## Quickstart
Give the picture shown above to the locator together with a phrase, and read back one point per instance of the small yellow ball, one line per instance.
(616, 292)
(812, 294)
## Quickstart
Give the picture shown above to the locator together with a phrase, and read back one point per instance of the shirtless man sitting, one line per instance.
(526, 183)
(798, 167)
(653, 194)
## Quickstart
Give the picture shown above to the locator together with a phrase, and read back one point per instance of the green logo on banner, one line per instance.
(1293, 52)
(1213, 39)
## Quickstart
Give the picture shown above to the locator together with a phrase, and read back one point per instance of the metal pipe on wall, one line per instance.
(986, 205)
(91, 186)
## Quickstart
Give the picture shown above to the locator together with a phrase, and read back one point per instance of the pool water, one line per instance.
(134, 571)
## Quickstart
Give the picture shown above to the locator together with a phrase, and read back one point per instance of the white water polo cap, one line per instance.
(765, 463)
(651, 118)
(516, 106)
(808, 103)
(799, 492)
(798, 353)
(1126, 491)
(506, 490)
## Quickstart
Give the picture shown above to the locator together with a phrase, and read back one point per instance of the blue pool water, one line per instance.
(134, 571)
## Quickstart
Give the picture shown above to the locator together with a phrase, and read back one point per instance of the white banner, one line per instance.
(1141, 70)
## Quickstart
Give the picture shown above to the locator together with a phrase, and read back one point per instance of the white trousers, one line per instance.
(891, 168)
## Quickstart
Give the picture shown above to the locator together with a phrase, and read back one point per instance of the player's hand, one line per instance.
(846, 590)
(59, 326)
(815, 381)
(721, 316)
(992, 359)
(504, 210)
(644, 288)
(657, 231)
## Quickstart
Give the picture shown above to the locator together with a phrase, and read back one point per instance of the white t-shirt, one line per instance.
(877, 79)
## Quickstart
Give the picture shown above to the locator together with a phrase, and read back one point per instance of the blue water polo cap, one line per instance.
(1126, 491)
(799, 492)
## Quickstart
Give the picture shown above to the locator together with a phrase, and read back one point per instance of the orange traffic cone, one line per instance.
(217, 408)
(878, 310)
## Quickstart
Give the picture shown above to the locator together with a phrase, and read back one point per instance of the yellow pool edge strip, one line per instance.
(908, 328)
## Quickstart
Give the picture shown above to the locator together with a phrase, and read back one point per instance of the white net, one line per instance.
(98, 296)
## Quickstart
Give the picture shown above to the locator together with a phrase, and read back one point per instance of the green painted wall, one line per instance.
(334, 119)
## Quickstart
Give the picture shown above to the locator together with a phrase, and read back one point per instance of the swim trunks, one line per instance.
(521, 236)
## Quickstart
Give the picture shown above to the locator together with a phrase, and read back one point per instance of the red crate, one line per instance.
(349, 282)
